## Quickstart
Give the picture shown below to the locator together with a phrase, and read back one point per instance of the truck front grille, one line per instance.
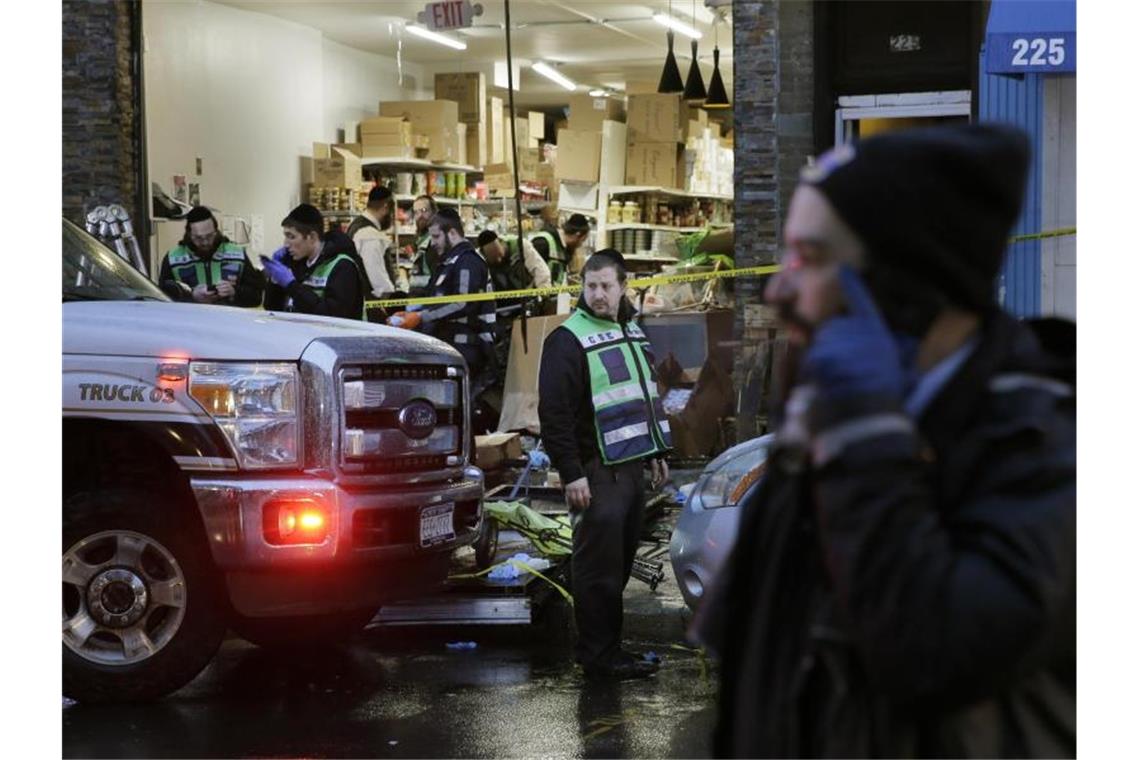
(401, 418)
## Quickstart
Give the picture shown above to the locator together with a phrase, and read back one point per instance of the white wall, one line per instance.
(249, 93)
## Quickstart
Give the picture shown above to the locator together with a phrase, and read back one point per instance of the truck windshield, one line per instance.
(93, 272)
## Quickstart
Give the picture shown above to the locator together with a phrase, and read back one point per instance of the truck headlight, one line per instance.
(726, 484)
(255, 405)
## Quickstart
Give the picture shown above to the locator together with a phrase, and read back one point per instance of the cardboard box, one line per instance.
(321, 150)
(613, 156)
(500, 179)
(469, 91)
(520, 388)
(536, 129)
(477, 144)
(654, 118)
(424, 115)
(587, 113)
(529, 159)
(461, 142)
(444, 143)
(573, 196)
(392, 126)
(544, 175)
(341, 169)
(351, 131)
(495, 130)
(355, 148)
(579, 155)
(492, 451)
(653, 164)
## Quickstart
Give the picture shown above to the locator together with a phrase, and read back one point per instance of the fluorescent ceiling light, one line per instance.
(597, 93)
(678, 26)
(553, 75)
(438, 39)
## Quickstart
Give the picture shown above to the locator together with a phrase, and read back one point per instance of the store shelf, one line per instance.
(661, 227)
(333, 212)
(633, 189)
(415, 164)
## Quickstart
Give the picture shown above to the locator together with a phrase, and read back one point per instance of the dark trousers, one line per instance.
(605, 541)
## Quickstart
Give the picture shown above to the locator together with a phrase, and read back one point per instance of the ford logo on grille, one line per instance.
(417, 419)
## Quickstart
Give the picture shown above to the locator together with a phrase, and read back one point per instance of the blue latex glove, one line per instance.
(278, 273)
(854, 353)
(413, 307)
(538, 459)
(281, 254)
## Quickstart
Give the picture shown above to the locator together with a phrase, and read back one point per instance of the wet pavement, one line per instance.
(403, 693)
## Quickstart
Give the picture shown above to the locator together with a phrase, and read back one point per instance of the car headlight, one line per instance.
(724, 485)
(255, 405)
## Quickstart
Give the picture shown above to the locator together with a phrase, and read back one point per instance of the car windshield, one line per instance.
(93, 272)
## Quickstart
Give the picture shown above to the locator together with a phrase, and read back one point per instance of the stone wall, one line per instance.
(773, 83)
(102, 122)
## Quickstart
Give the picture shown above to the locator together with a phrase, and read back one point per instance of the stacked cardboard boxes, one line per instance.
(438, 120)
(469, 92)
(386, 137)
(656, 126)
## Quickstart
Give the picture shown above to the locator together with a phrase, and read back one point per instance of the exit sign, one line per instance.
(449, 14)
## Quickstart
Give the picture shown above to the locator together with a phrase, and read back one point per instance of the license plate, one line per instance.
(437, 525)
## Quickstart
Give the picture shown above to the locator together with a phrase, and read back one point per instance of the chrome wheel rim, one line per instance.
(124, 597)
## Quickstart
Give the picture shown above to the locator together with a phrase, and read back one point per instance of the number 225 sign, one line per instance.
(1031, 53)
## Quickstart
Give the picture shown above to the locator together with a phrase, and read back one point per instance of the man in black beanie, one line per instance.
(904, 579)
(315, 272)
(205, 267)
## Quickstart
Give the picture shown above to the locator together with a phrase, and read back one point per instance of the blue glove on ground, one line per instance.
(278, 273)
(854, 353)
(281, 254)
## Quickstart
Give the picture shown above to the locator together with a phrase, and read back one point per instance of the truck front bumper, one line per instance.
(372, 553)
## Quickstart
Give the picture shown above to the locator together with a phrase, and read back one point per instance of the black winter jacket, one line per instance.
(916, 594)
(343, 293)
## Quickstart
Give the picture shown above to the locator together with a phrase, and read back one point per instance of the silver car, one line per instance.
(706, 528)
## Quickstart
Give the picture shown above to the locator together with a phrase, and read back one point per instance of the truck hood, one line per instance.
(194, 331)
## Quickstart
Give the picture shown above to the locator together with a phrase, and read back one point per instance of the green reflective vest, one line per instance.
(511, 274)
(319, 277)
(557, 260)
(628, 414)
(227, 263)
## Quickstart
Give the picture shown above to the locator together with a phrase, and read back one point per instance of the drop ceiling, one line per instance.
(595, 44)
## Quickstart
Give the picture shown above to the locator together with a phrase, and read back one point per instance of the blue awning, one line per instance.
(1031, 37)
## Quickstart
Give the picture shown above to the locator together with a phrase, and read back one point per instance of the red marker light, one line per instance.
(295, 521)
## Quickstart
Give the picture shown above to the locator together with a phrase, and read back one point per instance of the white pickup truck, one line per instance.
(276, 474)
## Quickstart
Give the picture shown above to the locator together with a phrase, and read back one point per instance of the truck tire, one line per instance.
(141, 611)
(288, 632)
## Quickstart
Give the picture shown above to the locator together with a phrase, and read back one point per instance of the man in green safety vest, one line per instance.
(557, 246)
(426, 258)
(205, 267)
(602, 421)
(511, 266)
(314, 273)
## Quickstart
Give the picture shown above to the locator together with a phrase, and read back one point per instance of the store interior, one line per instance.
(254, 106)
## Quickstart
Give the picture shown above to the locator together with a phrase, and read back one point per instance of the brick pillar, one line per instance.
(772, 120)
(102, 115)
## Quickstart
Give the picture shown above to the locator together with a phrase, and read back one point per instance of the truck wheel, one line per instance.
(141, 615)
(286, 632)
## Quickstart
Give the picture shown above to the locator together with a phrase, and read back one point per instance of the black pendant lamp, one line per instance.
(695, 92)
(671, 74)
(718, 98)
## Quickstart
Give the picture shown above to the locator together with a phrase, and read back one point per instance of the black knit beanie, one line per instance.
(933, 208)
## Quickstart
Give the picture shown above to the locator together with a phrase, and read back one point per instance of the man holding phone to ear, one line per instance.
(314, 272)
(904, 578)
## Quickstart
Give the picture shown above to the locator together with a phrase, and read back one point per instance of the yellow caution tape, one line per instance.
(1063, 232)
(523, 567)
(645, 282)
